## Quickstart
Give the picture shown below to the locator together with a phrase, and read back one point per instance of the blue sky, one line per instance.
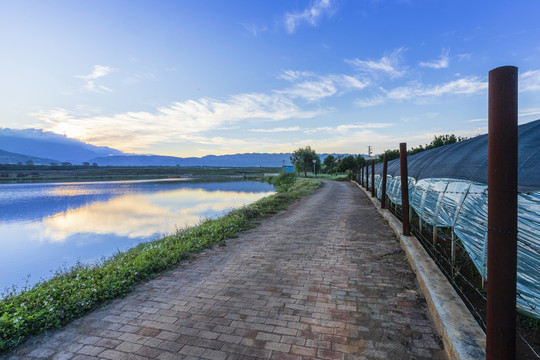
(191, 78)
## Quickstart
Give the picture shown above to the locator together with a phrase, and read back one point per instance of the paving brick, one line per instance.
(91, 350)
(312, 281)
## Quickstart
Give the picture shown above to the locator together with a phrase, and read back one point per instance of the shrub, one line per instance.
(284, 181)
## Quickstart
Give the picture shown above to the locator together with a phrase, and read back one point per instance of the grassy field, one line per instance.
(43, 173)
(75, 291)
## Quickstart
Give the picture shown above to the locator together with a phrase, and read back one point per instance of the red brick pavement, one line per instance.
(325, 279)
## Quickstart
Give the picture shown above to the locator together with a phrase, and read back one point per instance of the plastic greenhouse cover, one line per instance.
(467, 160)
(463, 205)
(447, 189)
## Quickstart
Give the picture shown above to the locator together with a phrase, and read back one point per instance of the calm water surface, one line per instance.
(46, 226)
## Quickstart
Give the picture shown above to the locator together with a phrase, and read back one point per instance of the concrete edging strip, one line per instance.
(462, 337)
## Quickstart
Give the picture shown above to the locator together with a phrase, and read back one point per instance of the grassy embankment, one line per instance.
(73, 292)
(44, 173)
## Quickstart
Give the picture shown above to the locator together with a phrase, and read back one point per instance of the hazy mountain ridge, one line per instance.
(44, 148)
(7, 157)
(44, 144)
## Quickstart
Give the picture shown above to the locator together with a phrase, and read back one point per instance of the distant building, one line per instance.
(288, 169)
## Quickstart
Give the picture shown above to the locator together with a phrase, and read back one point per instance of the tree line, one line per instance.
(307, 160)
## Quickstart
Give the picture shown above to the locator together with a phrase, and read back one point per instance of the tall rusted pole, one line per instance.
(383, 185)
(502, 214)
(367, 177)
(373, 178)
(404, 189)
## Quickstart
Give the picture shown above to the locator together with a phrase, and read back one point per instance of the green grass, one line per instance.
(75, 291)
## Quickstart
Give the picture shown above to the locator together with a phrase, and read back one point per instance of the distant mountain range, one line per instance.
(44, 148)
(44, 144)
(7, 157)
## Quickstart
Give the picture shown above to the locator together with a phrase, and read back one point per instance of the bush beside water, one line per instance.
(73, 292)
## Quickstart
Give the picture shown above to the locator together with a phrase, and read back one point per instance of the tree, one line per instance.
(390, 154)
(302, 160)
(438, 141)
(347, 163)
(329, 164)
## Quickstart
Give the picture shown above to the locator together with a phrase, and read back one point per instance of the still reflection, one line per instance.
(45, 226)
(143, 215)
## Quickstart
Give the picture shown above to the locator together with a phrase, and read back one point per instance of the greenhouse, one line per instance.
(448, 189)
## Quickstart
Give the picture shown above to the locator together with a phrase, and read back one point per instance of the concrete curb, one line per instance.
(462, 337)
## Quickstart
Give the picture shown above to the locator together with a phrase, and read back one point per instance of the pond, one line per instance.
(44, 227)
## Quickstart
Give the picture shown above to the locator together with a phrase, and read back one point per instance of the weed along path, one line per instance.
(324, 279)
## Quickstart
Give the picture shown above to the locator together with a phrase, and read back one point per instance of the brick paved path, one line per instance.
(325, 279)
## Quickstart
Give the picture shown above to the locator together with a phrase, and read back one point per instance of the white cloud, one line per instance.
(346, 128)
(469, 86)
(373, 101)
(441, 63)
(319, 87)
(253, 30)
(188, 121)
(529, 112)
(98, 72)
(464, 86)
(312, 90)
(292, 75)
(278, 129)
(529, 81)
(388, 65)
(484, 120)
(311, 15)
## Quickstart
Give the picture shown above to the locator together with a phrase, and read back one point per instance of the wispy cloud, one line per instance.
(313, 87)
(529, 81)
(278, 129)
(98, 72)
(187, 120)
(292, 75)
(312, 15)
(138, 76)
(484, 120)
(346, 128)
(469, 85)
(373, 101)
(529, 112)
(253, 30)
(389, 65)
(464, 86)
(441, 63)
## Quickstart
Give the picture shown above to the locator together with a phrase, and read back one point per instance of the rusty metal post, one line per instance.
(373, 178)
(502, 214)
(367, 177)
(404, 189)
(383, 185)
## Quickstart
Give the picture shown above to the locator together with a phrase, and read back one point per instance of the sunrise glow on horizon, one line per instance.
(190, 78)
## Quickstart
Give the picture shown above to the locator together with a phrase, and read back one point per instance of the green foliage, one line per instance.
(329, 164)
(75, 291)
(438, 141)
(284, 181)
(346, 164)
(342, 164)
(391, 155)
(302, 159)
